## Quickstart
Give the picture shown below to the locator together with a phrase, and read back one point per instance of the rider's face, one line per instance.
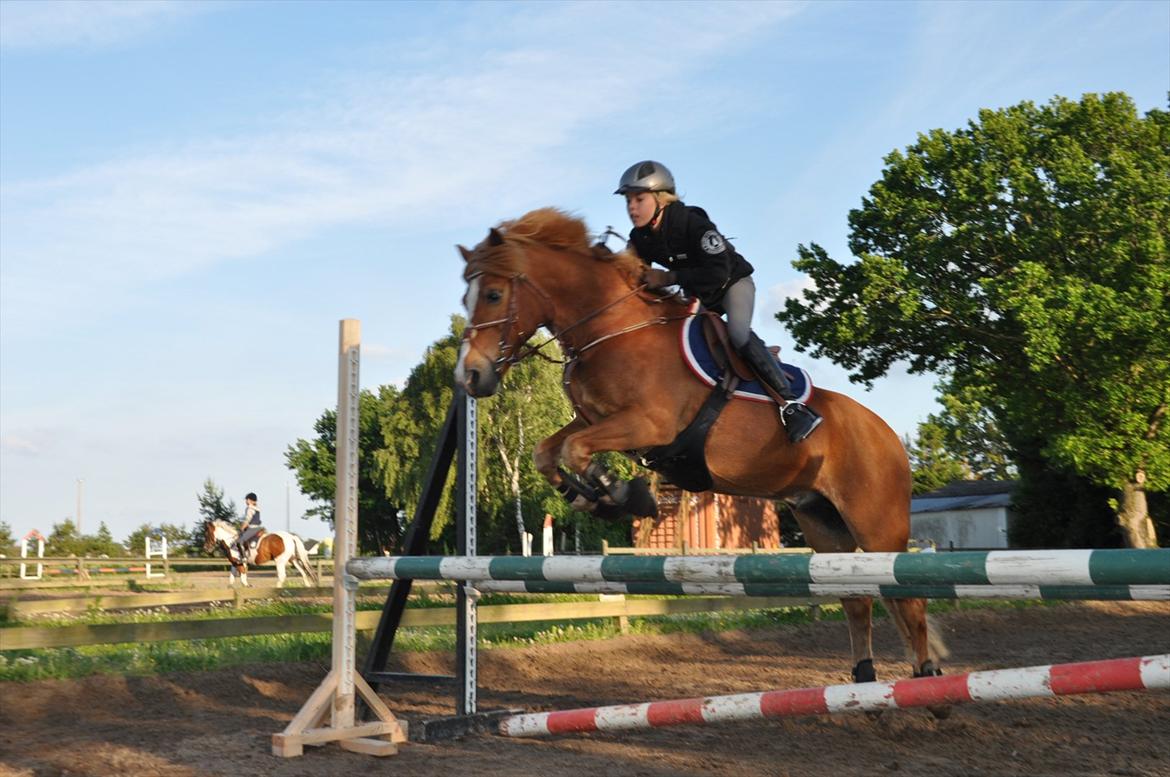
(641, 206)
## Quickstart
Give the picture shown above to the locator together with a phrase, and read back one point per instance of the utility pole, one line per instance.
(79, 482)
(287, 510)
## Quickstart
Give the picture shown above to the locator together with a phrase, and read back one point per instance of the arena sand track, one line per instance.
(220, 723)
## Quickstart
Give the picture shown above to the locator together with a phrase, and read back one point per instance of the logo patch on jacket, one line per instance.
(712, 242)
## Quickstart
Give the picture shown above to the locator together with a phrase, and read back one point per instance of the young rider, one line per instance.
(699, 259)
(250, 526)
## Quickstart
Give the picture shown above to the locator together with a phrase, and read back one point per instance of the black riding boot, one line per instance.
(799, 419)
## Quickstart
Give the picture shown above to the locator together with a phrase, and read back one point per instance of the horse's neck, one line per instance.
(596, 307)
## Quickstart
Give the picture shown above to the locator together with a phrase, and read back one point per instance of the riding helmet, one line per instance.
(647, 176)
(250, 495)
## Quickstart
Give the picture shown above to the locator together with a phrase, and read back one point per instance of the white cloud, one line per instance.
(33, 24)
(773, 301)
(19, 445)
(391, 146)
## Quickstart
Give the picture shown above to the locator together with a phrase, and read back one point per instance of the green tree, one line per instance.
(64, 540)
(7, 541)
(102, 543)
(178, 539)
(530, 404)
(410, 433)
(314, 463)
(1027, 255)
(212, 507)
(932, 465)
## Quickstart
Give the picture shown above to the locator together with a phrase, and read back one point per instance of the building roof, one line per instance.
(965, 495)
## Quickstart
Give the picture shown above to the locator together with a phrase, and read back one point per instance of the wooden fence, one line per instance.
(616, 607)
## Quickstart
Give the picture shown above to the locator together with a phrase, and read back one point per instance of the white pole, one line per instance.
(345, 520)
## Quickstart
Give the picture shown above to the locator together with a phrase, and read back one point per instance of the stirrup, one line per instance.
(800, 420)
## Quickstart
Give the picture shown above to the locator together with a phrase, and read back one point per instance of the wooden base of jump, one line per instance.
(337, 694)
(306, 728)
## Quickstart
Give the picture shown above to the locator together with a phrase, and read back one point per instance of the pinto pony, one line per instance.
(848, 484)
(279, 547)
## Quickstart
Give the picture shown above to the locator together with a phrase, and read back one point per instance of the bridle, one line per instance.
(505, 355)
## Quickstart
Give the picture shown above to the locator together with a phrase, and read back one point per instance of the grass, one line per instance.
(201, 655)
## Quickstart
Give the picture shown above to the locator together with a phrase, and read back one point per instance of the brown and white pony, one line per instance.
(848, 484)
(278, 547)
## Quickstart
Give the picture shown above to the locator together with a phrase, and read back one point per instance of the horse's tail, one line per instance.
(303, 560)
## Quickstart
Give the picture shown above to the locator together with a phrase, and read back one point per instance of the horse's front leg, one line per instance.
(280, 575)
(547, 457)
(623, 431)
(547, 454)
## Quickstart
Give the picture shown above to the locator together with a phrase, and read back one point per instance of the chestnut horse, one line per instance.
(848, 484)
(278, 548)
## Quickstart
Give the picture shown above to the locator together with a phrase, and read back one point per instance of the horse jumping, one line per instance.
(848, 485)
(278, 547)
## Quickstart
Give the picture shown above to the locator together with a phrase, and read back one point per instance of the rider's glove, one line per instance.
(658, 279)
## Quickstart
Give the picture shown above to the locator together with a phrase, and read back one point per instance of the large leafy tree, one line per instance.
(1025, 255)
(314, 461)
(512, 495)
(398, 438)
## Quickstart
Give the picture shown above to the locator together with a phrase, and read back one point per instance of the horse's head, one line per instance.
(504, 309)
(539, 270)
(215, 532)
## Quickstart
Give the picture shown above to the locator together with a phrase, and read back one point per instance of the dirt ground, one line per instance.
(220, 723)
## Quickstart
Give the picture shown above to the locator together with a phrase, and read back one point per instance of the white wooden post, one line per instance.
(546, 535)
(336, 694)
(160, 553)
(40, 554)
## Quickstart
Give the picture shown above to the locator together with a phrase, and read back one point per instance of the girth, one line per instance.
(684, 461)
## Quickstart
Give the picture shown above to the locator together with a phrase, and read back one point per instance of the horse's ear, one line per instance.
(464, 253)
(495, 237)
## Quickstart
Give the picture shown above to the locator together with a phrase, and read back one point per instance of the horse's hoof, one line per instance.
(640, 499)
(928, 669)
(864, 672)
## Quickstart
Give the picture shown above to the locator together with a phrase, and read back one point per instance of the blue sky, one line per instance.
(192, 194)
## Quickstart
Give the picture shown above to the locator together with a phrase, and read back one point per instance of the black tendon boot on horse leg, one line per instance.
(587, 497)
(631, 496)
(799, 419)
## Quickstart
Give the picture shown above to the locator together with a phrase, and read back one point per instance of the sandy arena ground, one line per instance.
(220, 723)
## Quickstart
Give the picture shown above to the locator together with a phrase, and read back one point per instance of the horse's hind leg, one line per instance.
(826, 533)
(910, 617)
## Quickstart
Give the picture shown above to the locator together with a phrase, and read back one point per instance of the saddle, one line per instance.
(707, 350)
(684, 461)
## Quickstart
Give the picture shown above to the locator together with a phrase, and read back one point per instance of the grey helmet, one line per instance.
(647, 176)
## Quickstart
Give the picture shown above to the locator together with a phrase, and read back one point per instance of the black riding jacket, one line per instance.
(688, 244)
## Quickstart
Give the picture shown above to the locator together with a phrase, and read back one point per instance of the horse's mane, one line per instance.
(549, 227)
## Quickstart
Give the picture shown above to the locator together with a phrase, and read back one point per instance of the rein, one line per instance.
(507, 358)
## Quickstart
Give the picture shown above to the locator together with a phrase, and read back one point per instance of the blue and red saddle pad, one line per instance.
(697, 355)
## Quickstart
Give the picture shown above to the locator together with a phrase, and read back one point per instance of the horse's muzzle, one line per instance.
(481, 383)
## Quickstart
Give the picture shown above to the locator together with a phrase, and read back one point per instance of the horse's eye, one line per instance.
(494, 295)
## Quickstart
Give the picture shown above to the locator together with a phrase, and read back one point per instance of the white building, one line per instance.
(964, 514)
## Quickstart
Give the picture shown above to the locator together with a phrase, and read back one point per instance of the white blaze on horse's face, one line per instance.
(478, 369)
(469, 306)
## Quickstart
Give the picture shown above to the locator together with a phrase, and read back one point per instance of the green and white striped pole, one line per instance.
(966, 568)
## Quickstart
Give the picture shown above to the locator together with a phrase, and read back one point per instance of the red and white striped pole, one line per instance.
(1120, 674)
